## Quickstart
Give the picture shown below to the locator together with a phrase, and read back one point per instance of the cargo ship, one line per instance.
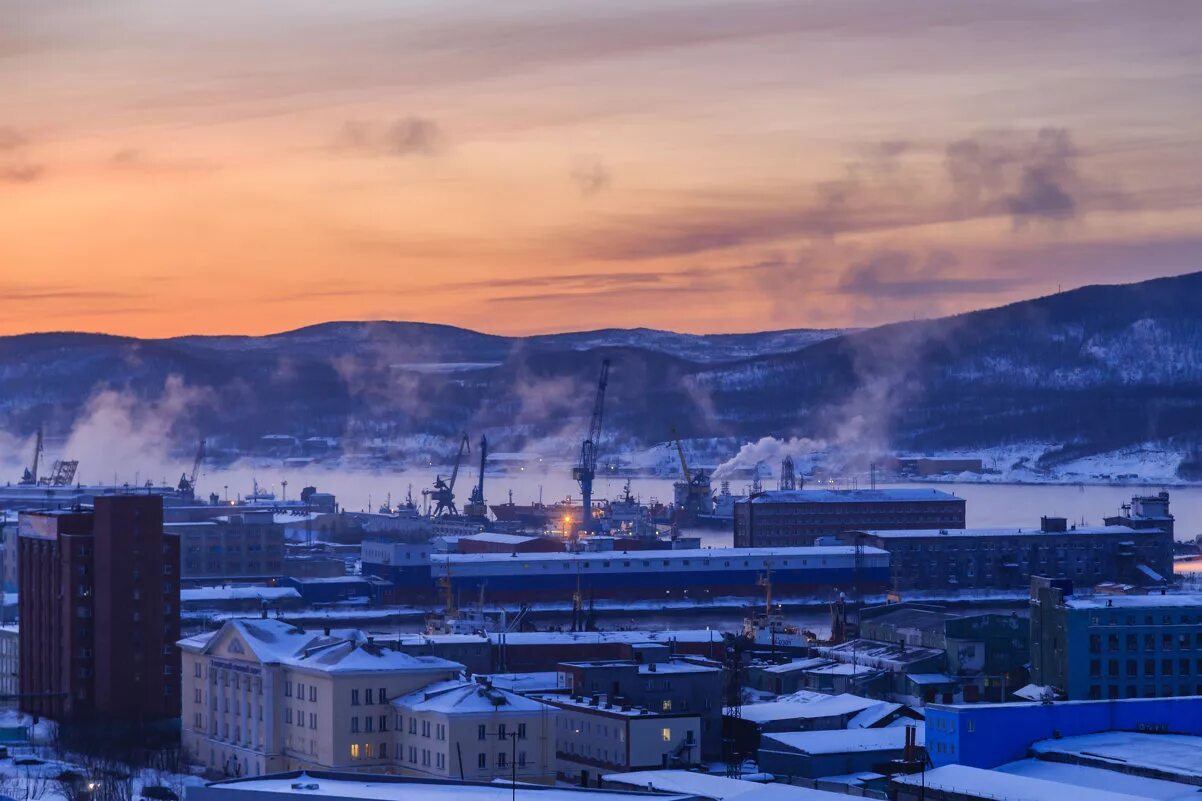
(698, 574)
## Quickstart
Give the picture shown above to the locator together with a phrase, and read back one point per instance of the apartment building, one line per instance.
(245, 546)
(1105, 646)
(471, 730)
(262, 696)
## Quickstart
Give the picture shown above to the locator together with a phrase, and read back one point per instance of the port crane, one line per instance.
(475, 504)
(187, 481)
(693, 494)
(31, 473)
(443, 492)
(586, 471)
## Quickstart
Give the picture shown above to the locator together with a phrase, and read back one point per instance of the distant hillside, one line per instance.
(1096, 368)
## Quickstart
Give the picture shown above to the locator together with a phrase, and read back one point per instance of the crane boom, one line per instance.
(464, 447)
(684, 464)
(587, 469)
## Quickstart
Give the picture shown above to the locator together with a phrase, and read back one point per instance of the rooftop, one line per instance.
(463, 697)
(824, 707)
(813, 552)
(719, 788)
(1102, 779)
(1154, 600)
(605, 707)
(601, 637)
(392, 788)
(843, 741)
(1007, 786)
(853, 496)
(1172, 754)
(499, 538)
(1027, 531)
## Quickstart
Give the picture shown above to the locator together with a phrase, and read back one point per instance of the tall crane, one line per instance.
(443, 493)
(475, 506)
(692, 494)
(31, 473)
(187, 481)
(587, 469)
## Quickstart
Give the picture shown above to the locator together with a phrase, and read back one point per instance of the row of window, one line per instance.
(1129, 619)
(1180, 641)
(1167, 667)
(369, 723)
(1149, 691)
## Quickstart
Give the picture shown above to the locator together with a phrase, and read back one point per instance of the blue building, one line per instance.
(989, 735)
(1115, 646)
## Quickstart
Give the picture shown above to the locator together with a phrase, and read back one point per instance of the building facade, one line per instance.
(1006, 558)
(243, 547)
(595, 736)
(262, 696)
(799, 517)
(471, 730)
(99, 608)
(1115, 646)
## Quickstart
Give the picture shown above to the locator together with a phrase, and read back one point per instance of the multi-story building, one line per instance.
(461, 729)
(656, 680)
(799, 517)
(596, 735)
(99, 607)
(1007, 558)
(243, 547)
(262, 695)
(8, 532)
(10, 650)
(1115, 646)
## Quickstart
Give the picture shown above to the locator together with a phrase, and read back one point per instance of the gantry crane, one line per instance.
(586, 470)
(31, 473)
(475, 506)
(187, 481)
(443, 493)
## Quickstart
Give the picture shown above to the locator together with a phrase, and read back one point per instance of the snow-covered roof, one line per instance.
(1155, 600)
(1103, 779)
(1173, 754)
(873, 715)
(979, 782)
(392, 788)
(930, 678)
(202, 594)
(536, 681)
(843, 741)
(463, 697)
(357, 656)
(796, 665)
(602, 637)
(498, 538)
(830, 706)
(853, 496)
(1005, 533)
(708, 785)
(815, 551)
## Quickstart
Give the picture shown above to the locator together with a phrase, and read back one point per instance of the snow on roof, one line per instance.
(843, 669)
(603, 637)
(815, 551)
(797, 664)
(873, 715)
(202, 594)
(498, 537)
(356, 656)
(979, 782)
(545, 680)
(463, 697)
(842, 741)
(1102, 779)
(1175, 754)
(854, 496)
(719, 788)
(392, 788)
(1156, 600)
(930, 678)
(1025, 531)
(830, 706)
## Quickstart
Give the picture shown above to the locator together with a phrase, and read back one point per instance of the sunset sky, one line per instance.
(250, 166)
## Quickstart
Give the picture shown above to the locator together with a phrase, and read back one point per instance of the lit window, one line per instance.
(667, 734)
(667, 704)
(354, 750)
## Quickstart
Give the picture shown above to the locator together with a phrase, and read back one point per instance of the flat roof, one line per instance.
(391, 788)
(1102, 779)
(1152, 601)
(807, 709)
(844, 741)
(816, 551)
(716, 787)
(853, 496)
(1018, 531)
(984, 783)
(1173, 754)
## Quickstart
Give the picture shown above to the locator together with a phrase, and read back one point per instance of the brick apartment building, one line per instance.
(99, 607)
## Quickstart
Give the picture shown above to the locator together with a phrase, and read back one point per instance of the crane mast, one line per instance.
(443, 492)
(586, 471)
(31, 474)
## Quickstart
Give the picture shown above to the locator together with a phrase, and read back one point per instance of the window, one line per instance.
(667, 705)
(501, 761)
(482, 760)
(368, 723)
(501, 733)
(354, 698)
(382, 696)
(521, 759)
(666, 734)
(383, 750)
(288, 718)
(354, 750)
(312, 720)
(383, 723)
(312, 692)
(481, 734)
(368, 700)
(287, 689)
(300, 690)
(354, 723)
(521, 731)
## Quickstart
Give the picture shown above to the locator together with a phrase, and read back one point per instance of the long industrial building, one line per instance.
(779, 518)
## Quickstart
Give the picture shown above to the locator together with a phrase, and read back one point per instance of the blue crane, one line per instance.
(587, 469)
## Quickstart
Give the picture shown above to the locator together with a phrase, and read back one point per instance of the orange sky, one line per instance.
(256, 165)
